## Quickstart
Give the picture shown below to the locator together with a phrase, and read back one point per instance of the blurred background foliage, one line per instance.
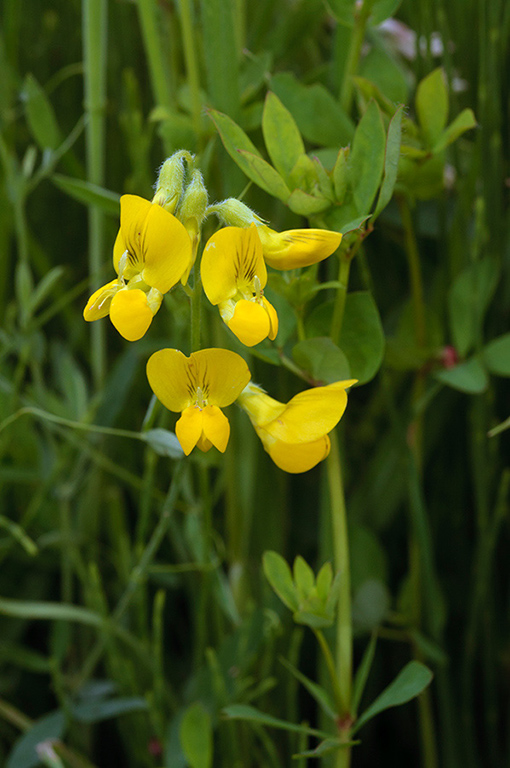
(127, 653)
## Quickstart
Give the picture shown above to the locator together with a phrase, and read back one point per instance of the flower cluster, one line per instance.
(155, 249)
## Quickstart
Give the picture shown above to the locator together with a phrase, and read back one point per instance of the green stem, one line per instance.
(330, 663)
(341, 559)
(94, 56)
(192, 71)
(161, 85)
(415, 276)
(358, 35)
(341, 296)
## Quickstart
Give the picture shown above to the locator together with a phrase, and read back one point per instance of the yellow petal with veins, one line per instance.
(231, 260)
(299, 458)
(130, 313)
(216, 427)
(221, 374)
(133, 212)
(167, 249)
(98, 305)
(297, 247)
(250, 322)
(273, 318)
(167, 372)
(311, 414)
(189, 428)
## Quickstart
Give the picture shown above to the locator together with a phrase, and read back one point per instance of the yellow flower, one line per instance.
(234, 276)
(297, 247)
(199, 386)
(295, 434)
(151, 253)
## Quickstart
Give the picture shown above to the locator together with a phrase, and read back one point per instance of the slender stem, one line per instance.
(341, 296)
(192, 71)
(330, 663)
(358, 34)
(413, 260)
(161, 85)
(94, 55)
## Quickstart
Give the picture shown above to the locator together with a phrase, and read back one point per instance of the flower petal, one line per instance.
(119, 248)
(299, 458)
(297, 247)
(310, 414)
(250, 322)
(216, 427)
(130, 313)
(168, 375)
(221, 374)
(133, 212)
(232, 258)
(273, 318)
(166, 247)
(189, 428)
(98, 305)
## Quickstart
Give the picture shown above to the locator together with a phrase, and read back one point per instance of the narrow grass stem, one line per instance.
(94, 56)
(341, 296)
(192, 71)
(358, 35)
(330, 663)
(161, 85)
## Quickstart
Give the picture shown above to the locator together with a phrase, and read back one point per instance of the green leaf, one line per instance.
(496, 355)
(196, 736)
(163, 442)
(264, 175)
(218, 33)
(23, 754)
(27, 609)
(363, 671)
(343, 11)
(281, 135)
(322, 359)
(370, 605)
(321, 696)
(245, 712)
(362, 338)
(304, 577)
(44, 287)
(468, 300)
(351, 226)
(383, 9)
(470, 377)
(366, 160)
(462, 123)
(318, 115)
(341, 174)
(432, 106)
(40, 115)
(278, 574)
(324, 581)
(97, 710)
(382, 70)
(89, 194)
(408, 684)
(391, 159)
(305, 204)
(234, 139)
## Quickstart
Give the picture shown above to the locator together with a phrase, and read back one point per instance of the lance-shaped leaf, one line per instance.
(278, 574)
(469, 377)
(264, 175)
(408, 684)
(89, 194)
(40, 115)
(281, 135)
(196, 736)
(462, 123)
(497, 355)
(366, 161)
(432, 105)
(234, 139)
(246, 712)
(391, 158)
(305, 204)
(320, 695)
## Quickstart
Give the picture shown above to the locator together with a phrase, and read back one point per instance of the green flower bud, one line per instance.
(193, 205)
(234, 213)
(170, 180)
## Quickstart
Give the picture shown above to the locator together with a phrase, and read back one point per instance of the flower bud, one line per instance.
(234, 213)
(170, 181)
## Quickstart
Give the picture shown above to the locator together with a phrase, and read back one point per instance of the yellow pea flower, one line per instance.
(233, 276)
(295, 434)
(297, 247)
(152, 252)
(282, 250)
(198, 386)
